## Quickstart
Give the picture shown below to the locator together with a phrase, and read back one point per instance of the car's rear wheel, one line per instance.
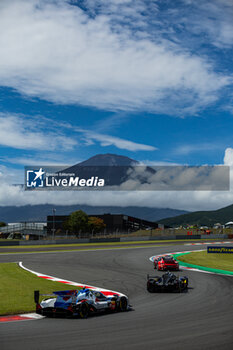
(123, 304)
(150, 289)
(83, 310)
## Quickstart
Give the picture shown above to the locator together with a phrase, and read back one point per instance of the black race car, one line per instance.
(167, 283)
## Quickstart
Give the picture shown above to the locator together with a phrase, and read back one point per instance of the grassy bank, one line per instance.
(214, 261)
(17, 289)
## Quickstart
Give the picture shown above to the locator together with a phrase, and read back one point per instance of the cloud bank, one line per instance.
(20, 132)
(188, 200)
(43, 134)
(90, 56)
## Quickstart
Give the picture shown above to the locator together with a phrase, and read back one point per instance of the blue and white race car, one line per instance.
(81, 303)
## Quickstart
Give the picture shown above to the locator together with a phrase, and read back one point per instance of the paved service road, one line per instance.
(198, 319)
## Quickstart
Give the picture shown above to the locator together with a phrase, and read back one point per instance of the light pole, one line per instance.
(54, 211)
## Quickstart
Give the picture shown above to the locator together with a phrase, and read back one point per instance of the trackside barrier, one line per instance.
(60, 241)
(104, 240)
(8, 243)
(188, 237)
(219, 235)
(37, 242)
(147, 238)
(131, 239)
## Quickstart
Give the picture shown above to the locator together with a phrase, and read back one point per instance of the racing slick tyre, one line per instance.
(184, 284)
(150, 289)
(84, 310)
(123, 304)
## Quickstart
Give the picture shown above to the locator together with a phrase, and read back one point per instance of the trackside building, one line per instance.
(114, 223)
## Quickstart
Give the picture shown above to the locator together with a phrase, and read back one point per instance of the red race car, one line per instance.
(166, 262)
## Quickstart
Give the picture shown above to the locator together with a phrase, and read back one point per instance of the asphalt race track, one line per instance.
(202, 318)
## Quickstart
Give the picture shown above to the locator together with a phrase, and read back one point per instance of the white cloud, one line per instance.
(9, 176)
(196, 148)
(59, 52)
(178, 178)
(213, 19)
(53, 159)
(107, 140)
(26, 133)
(188, 200)
(40, 133)
(228, 157)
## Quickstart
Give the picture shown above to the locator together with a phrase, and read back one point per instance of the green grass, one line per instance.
(214, 261)
(17, 289)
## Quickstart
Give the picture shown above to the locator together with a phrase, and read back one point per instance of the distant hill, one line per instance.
(201, 218)
(40, 212)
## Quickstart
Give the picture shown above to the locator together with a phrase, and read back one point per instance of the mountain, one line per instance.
(201, 218)
(40, 212)
(115, 169)
(108, 159)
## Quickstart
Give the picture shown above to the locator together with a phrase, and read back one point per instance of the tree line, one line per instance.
(79, 221)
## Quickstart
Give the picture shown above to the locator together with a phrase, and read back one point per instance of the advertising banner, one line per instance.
(219, 249)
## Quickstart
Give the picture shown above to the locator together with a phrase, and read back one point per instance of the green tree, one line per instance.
(2, 224)
(77, 221)
(66, 226)
(95, 224)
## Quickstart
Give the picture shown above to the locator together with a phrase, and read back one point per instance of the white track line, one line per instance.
(67, 282)
(205, 243)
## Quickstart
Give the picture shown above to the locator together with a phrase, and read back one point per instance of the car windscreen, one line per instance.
(169, 261)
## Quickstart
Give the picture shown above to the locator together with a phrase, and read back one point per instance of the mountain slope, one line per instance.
(108, 159)
(115, 169)
(40, 212)
(201, 218)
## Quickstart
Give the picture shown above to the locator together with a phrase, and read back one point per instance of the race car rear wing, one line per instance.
(37, 296)
(64, 293)
(149, 276)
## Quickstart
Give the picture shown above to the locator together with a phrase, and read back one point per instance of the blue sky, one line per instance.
(151, 80)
